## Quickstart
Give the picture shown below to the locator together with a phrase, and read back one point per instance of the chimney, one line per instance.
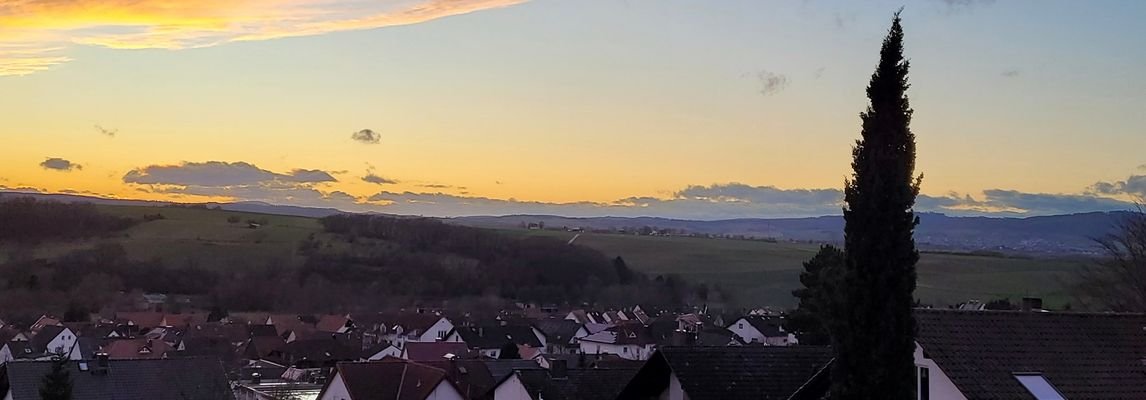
(1032, 304)
(101, 364)
(256, 378)
(558, 369)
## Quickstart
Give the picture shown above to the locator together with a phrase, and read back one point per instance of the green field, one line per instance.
(202, 237)
(763, 273)
(755, 272)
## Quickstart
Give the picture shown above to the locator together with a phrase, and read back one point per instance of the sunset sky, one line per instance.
(699, 109)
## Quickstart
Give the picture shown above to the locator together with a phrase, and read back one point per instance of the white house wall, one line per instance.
(746, 331)
(445, 391)
(941, 387)
(432, 334)
(388, 351)
(628, 352)
(337, 390)
(511, 389)
(62, 343)
(674, 390)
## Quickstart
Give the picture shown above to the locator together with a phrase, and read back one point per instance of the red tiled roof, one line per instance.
(259, 347)
(332, 323)
(141, 319)
(184, 320)
(136, 349)
(390, 379)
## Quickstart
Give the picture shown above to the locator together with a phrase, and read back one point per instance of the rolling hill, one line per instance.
(754, 272)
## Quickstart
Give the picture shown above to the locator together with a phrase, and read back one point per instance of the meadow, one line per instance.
(765, 273)
(753, 272)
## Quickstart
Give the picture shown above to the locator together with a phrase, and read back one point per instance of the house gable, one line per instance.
(336, 389)
(939, 386)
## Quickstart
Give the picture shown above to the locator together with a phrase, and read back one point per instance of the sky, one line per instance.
(675, 108)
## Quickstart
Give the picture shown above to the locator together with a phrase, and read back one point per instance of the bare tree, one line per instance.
(1117, 282)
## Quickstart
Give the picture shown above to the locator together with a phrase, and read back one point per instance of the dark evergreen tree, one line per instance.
(216, 314)
(76, 312)
(509, 352)
(873, 332)
(57, 384)
(810, 318)
(624, 274)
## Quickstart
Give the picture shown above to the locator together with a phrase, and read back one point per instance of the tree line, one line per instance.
(28, 220)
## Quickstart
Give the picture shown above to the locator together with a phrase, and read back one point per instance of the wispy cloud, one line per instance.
(35, 34)
(106, 131)
(771, 82)
(367, 136)
(1011, 73)
(378, 180)
(958, 6)
(59, 164)
(220, 174)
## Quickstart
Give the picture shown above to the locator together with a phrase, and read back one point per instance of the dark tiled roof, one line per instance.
(634, 334)
(257, 330)
(22, 349)
(500, 369)
(577, 384)
(558, 330)
(1084, 355)
(317, 352)
(494, 337)
(471, 377)
(389, 379)
(773, 372)
(174, 379)
(430, 351)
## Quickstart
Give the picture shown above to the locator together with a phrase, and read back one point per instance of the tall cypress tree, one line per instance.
(874, 336)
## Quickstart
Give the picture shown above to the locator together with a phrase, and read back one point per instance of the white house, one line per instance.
(763, 330)
(380, 352)
(631, 342)
(489, 340)
(410, 380)
(402, 328)
(511, 389)
(54, 339)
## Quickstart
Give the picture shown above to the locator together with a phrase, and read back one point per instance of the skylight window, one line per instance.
(1039, 387)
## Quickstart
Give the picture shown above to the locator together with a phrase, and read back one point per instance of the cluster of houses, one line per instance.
(545, 353)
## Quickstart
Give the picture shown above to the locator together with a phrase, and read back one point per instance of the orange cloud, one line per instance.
(34, 34)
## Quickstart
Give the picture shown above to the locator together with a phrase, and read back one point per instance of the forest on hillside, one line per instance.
(355, 262)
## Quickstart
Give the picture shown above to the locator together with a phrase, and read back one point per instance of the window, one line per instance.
(1039, 387)
(740, 326)
(625, 350)
(924, 387)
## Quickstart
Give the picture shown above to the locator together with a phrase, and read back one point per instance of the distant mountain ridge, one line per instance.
(242, 206)
(1058, 234)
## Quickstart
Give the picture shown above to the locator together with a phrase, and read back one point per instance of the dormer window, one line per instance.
(1038, 386)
